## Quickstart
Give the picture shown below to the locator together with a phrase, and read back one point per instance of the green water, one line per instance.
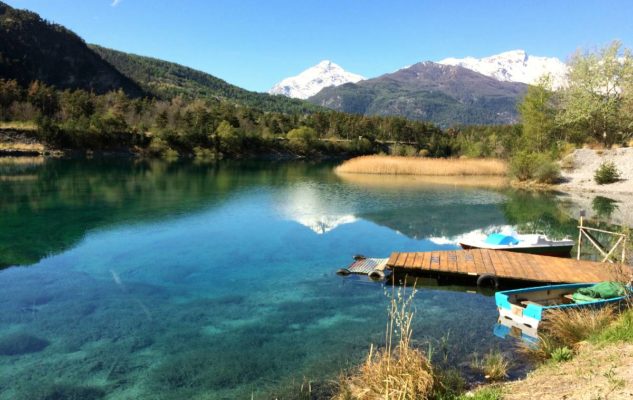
(129, 279)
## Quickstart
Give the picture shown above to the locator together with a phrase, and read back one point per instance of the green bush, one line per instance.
(526, 165)
(562, 354)
(547, 172)
(302, 139)
(606, 173)
(522, 165)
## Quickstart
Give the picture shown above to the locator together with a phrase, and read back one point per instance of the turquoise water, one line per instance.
(126, 279)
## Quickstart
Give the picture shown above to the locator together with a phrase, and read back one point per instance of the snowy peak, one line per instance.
(515, 66)
(312, 80)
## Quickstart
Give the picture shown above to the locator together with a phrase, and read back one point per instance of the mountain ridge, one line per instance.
(443, 94)
(514, 66)
(312, 80)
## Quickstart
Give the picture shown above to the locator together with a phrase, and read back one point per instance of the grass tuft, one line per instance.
(567, 329)
(487, 393)
(395, 372)
(620, 331)
(390, 165)
(493, 365)
(570, 327)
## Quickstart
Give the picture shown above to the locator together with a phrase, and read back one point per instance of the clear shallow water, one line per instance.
(128, 279)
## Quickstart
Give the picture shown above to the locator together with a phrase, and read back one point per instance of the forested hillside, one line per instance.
(167, 80)
(32, 49)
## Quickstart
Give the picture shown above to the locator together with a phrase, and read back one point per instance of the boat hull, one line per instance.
(528, 307)
(552, 251)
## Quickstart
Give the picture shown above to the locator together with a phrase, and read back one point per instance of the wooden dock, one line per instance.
(505, 265)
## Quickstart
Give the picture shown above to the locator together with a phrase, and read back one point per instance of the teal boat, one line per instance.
(528, 307)
(505, 328)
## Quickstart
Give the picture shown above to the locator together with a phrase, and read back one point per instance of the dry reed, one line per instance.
(18, 125)
(568, 328)
(390, 165)
(396, 372)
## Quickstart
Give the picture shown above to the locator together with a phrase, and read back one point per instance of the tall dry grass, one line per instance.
(573, 326)
(18, 125)
(568, 328)
(391, 165)
(397, 372)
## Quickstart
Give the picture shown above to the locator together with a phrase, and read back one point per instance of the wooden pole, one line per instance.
(579, 238)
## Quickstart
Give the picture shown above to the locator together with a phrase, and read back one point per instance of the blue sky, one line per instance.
(255, 43)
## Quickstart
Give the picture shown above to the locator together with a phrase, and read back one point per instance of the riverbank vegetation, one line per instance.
(81, 120)
(581, 353)
(595, 108)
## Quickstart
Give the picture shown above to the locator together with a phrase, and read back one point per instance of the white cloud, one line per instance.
(115, 3)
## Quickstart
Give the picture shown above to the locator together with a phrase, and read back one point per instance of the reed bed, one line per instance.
(391, 165)
(399, 371)
(18, 125)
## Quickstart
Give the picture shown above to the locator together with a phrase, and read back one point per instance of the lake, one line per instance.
(138, 279)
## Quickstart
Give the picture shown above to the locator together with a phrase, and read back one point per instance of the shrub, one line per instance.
(547, 172)
(302, 139)
(526, 166)
(159, 147)
(606, 173)
(562, 354)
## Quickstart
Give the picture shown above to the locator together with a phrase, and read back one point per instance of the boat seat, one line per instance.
(528, 302)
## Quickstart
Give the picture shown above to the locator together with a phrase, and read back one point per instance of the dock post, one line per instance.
(582, 214)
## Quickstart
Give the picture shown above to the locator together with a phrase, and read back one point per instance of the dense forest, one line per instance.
(168, 80)
(77, 119)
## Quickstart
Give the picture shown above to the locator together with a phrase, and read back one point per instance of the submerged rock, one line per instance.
(21, 343)
(67, 392)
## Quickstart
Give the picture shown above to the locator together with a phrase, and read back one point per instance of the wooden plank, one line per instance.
(527, 270)
(486, 265)
(417, 262)
(408, 261)
(443, 264)
(452, 261)
(505, 264)
(392, 259)
(468, 266)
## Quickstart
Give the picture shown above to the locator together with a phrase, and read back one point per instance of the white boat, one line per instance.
(521, 243)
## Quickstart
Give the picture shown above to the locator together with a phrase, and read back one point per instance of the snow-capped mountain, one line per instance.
(515, 66)
(312, 80)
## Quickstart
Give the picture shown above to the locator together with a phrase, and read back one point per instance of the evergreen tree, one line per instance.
(537, 115)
